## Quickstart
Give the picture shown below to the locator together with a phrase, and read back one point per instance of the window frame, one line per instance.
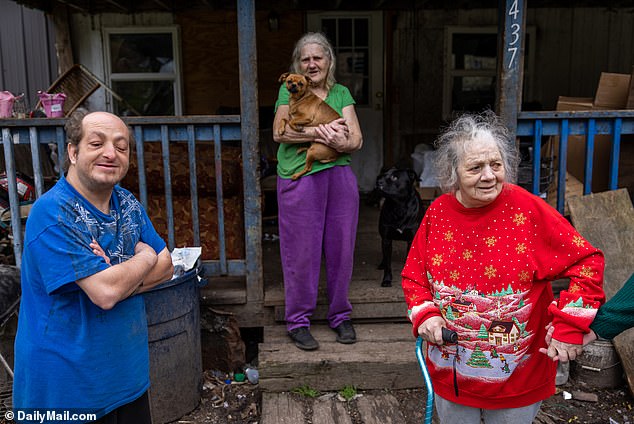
(450, 72)
(175, 77)
(314, 23)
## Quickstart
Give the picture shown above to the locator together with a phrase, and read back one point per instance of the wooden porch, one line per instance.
(251, 285)
(247, 280)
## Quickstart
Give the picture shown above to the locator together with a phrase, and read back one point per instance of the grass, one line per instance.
(306, 391)
(348, 392)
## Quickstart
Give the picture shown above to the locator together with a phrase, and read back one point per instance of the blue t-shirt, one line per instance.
(69, 353)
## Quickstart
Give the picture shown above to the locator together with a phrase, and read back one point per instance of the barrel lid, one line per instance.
(188, 275)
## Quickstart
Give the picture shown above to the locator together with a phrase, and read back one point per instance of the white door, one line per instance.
(357, 38)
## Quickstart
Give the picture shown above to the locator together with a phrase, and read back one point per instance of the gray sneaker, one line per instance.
(345, 333)
(303, 339)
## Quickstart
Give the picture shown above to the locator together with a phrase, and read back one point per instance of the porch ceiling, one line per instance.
(135, 6)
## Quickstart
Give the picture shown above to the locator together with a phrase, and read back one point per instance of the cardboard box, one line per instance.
(612, 91)
(574, 103)
(615, 91)
(428, 193)
(574, 187)
(577, 146)
(630, 97)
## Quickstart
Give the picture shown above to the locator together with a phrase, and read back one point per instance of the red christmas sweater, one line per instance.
(487, 271)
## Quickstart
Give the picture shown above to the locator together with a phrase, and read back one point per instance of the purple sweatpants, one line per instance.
(317, 214)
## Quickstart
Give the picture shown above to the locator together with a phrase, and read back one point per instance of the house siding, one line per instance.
(27, 51)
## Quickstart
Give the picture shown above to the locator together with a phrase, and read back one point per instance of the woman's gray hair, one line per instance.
(321, 40)
(450, 146)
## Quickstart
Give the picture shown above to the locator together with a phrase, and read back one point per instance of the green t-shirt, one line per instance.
(288, 161)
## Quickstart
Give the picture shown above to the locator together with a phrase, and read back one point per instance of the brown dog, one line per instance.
(306, 109)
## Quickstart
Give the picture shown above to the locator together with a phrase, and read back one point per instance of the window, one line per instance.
(143, 67)
(350, 38)
(471, 69)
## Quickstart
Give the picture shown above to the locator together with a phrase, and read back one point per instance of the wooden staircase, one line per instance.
(383, 356)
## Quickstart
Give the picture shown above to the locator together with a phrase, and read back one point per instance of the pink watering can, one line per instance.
(53, 103)
(6, 104)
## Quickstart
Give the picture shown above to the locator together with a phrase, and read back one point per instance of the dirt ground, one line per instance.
(241, 404)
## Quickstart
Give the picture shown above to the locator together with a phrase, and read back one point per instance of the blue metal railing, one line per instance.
(564, 124)
(218, 129)
(164, 130)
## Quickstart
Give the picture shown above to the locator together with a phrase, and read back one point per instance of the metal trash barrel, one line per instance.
(599, 366)
(173, 316)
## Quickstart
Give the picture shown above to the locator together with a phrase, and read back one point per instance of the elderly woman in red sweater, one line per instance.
(482, 264)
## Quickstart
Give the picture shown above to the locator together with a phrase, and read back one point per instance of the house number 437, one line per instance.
(513, 45)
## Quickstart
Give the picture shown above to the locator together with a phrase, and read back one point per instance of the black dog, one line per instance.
(401, 214)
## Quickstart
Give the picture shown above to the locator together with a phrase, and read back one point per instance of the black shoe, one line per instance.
(345, 333)
(303, 339)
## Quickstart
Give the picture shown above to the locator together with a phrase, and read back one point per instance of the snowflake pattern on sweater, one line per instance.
(487, 271)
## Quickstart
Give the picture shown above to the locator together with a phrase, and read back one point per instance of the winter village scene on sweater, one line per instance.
(492, 327)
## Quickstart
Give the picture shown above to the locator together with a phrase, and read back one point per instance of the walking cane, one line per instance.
(448, 336)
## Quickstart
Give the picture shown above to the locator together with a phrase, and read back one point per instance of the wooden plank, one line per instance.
(330, 411)
(251, 314)
(224, 291)
(380, 409)
(394, 311)
(199, 25)
(250, 155)
(379, 332)
(361, 290)
(510, 69)
(606, 220)
(365, 365)
(281, 408)
(559, 39)
(63, 45)
(630, 96)
(589, 49)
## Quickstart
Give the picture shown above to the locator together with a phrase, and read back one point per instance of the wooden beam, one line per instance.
(118, 6)
(73, 6)
(510, 68)
(247, 57)
(63, 45)
(163, 5)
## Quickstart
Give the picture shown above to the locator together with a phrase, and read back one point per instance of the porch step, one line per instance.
(283, 408)
(382, 358)
(369, 301)
(375, 312)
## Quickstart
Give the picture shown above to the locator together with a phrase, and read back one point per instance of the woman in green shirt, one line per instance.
(317, 213)
(615, 316)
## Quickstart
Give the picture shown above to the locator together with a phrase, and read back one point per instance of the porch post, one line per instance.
(510, 67)
(63, 44)
(247, 56)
